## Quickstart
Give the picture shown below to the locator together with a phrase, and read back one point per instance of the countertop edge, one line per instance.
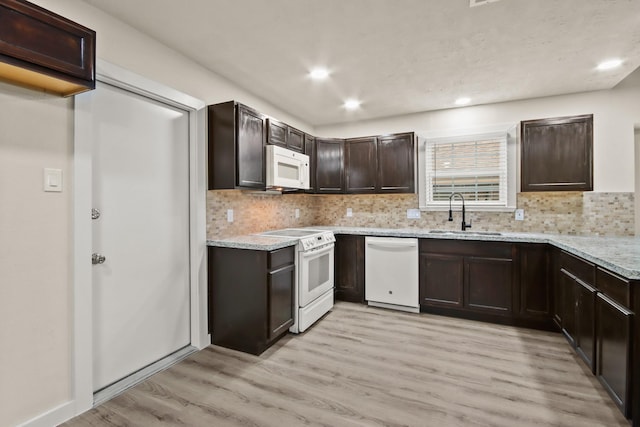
(246, 243)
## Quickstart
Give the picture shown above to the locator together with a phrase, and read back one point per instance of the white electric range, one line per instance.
(313, 296)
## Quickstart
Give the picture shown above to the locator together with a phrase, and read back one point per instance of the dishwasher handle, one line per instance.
(381, 244)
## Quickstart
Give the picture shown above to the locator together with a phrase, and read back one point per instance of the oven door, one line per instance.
(315, 276)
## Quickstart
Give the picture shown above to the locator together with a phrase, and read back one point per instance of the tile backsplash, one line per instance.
(610, 214)
(254, 212)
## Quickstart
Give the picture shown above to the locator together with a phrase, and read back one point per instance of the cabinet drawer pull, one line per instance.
(586, 285)
(615, 305)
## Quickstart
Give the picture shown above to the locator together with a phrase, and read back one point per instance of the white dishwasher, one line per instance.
(391, 273)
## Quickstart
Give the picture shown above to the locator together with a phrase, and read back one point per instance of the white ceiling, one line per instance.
(397, 56)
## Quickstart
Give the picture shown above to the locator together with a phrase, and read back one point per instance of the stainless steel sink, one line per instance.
(469, 233)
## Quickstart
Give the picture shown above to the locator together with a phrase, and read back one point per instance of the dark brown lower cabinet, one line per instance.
(441, 280)
(349, 268)
(578, 316)
(536, 297)
(585, 323)
(470, 279)
(250, 297)
(566, 286)
(614, 350)
(555, 277)
(280, 300)
(488, 284)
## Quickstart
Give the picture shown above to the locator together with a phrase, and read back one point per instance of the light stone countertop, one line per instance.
(618, 254)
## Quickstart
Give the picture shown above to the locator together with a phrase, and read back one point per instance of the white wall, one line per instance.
(615, 113)
(35, 254)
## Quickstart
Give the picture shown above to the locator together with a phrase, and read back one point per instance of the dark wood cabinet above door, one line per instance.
(43, 50)
(557, 154)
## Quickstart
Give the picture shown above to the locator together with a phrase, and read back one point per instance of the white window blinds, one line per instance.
(473, 165)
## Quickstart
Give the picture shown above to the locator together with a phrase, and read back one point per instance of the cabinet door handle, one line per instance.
(615, 305)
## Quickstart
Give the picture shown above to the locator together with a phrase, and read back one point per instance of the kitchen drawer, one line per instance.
(580, 268)
(281, 258)
(484, 249)
(615, 287)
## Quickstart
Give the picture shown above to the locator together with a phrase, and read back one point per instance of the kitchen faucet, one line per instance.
(464, 224)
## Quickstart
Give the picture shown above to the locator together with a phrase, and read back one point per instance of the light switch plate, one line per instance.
(297, 213)
(519, 215)
(229, 215)
(349, 212)
(52, 179)
(413, 213)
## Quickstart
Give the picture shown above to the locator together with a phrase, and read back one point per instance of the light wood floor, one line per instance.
(362, 366)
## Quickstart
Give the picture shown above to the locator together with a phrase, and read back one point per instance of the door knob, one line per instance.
(95, 213)
(97, 258)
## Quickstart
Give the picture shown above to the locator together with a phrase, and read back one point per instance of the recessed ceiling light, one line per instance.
(352, 104)
(319, 73)
(463, 101)
(609, 64)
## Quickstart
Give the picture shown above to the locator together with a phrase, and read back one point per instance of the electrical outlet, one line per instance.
(519, 214)
(297, 213)
(413, 213)
(349, 212)
(229, 215)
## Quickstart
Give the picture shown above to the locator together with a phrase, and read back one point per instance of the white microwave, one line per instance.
(287, 169)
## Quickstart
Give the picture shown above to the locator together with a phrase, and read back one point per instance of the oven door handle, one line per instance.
(316, 252)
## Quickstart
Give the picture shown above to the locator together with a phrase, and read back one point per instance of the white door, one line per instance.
(141, 190)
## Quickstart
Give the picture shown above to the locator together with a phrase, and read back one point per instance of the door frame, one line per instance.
(82, 323)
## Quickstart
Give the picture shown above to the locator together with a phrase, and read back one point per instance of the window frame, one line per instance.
(507, 132)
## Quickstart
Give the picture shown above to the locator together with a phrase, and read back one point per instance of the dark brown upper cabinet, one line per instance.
(295, 139)
(281, 134)
(236, 147)
(557, 154)
(329, 166)
(381, 164)
(42, 50)
(276, 132)
(361, 165)
(396, 163)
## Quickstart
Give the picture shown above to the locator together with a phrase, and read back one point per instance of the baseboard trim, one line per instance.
(136, 378)
(53, 417)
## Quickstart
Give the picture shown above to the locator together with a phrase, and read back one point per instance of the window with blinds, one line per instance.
(474, 166)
